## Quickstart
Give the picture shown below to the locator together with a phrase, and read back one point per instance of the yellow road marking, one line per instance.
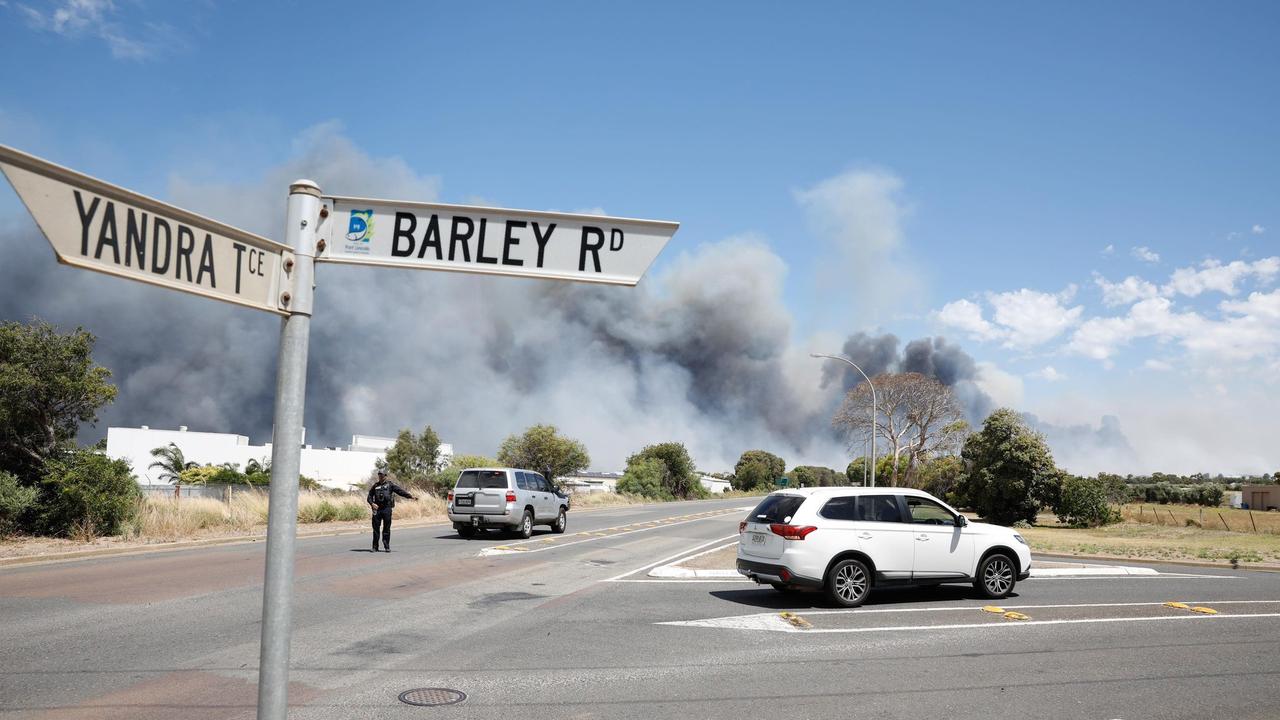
(1204, 610)
(1178, 605)
(992, 609)
(1011, 615)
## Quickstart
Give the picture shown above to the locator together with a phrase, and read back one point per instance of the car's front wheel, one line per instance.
(561, 522)
(996, 576)
(849, 583)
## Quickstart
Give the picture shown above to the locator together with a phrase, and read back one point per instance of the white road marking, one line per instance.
(759, 622)
(520, 546)
(864, 611)
(683, 553)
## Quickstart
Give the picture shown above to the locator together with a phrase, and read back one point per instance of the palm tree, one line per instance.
(171, 462)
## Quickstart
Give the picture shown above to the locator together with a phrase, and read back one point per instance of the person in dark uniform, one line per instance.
(382, 499)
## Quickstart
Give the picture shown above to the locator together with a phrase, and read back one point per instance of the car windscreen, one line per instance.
(776, 509)
(482, 479)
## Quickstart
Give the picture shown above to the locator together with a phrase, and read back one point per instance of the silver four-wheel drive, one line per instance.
(505, 498)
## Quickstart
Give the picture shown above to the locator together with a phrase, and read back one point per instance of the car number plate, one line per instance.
(758, 538)
(464, 501)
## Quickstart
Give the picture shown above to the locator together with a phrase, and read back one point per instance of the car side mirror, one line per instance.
(961, 521)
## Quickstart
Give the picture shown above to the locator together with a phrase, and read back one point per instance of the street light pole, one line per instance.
(851, 364)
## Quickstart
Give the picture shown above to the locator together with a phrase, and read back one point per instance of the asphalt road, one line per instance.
(572, 626)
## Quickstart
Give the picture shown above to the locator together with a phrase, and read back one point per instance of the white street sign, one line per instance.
(98, 226)
(494, 241)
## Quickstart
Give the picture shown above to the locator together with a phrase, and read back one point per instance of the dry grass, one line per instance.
(1227, 519)
(1146, 541)
(173, 519)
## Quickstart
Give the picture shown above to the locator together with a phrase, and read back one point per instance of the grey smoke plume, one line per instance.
(932, 357)
(701, 352)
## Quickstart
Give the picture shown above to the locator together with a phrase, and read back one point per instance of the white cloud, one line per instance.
(1129, 290)
(1021, 319)
(1157, 365)
(1109, 250)
(1029, 318)
(967, 316)
(1049, 373)
(1212, 275)
(97, 18)
(1145, 254)
(1248, 329)
(1258, 230)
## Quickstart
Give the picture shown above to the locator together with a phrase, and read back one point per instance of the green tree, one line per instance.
(16, 501)
(87, 493)
(644, 477)
(49, 386)
(171, 462)
(940, 476)
(414, 459)
(1007, 469)
(679, 477)
(816, 476)
(542, 448)
(757, 469)
(1084, 502)
(448, 477)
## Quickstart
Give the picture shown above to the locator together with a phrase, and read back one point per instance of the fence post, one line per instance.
(1251, 522)
(1224, 522)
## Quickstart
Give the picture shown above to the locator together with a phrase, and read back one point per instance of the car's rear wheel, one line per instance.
(525, 528)
(996, 576)
(465, 531)
(561, 523)
(849, 583)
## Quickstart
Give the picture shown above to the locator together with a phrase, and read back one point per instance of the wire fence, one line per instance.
(1211, 518)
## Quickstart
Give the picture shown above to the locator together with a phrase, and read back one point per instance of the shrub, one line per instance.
(15, 502)
(87, 493)
(644, 477)
(1084, 502)
(679, 479)
(757, 469)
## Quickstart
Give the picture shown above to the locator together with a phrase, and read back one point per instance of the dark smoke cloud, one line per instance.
(701, 352)
(933, 357)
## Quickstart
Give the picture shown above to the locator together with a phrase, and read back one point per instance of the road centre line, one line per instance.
(519, 547)
(682, 553)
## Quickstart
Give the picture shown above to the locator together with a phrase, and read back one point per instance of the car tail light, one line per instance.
(784, 575)
(742, 527)
(791, 532)
(511, 496)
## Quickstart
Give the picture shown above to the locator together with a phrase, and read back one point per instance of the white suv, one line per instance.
(848, 540)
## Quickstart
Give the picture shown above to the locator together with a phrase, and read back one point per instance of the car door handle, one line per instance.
(865, 536)
(922, 537)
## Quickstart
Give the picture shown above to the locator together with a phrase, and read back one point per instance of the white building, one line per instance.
(594, 482)
(332, 467)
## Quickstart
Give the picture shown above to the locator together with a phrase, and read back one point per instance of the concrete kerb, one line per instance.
(1189, 563)
(673, 570)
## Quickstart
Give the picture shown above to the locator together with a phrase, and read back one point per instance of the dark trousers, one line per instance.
(382, 518)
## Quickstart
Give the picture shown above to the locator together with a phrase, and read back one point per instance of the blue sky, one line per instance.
(1006, 163)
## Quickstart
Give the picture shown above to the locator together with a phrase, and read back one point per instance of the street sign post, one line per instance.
(98, 226)
(493, 241)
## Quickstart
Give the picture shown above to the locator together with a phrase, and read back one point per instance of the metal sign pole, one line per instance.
(286, 453)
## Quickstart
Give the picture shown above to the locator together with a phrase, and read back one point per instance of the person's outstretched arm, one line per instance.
(402, 492)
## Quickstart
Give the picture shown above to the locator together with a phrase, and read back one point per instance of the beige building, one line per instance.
(1260, 497)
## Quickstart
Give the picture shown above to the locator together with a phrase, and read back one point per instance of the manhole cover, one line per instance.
(432, 697)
